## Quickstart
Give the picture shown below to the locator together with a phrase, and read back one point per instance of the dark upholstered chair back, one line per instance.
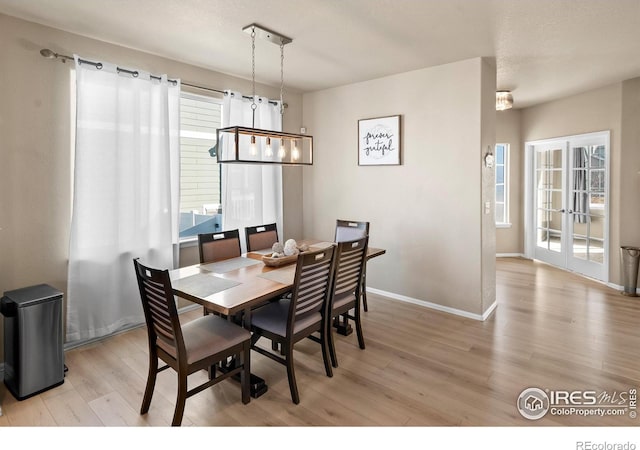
(261, 237)
(349, 230)
(218, 246)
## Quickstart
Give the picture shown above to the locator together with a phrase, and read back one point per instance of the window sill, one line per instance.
(188, 242)
(503, 225)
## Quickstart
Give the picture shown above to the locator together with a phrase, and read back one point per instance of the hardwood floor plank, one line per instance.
(69, 409)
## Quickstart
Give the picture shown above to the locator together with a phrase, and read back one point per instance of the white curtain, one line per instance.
(125, 198)
(251, 193)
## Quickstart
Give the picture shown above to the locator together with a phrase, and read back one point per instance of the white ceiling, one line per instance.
(544, 49)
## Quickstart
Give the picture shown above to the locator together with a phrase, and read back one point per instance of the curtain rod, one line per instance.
(134, 73)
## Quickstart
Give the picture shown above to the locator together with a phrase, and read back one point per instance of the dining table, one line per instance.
(233, 287)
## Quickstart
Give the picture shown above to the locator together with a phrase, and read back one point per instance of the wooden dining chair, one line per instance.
(288, 321)
(348, 230)
(215, 247)
(261, 237)
(345, 291)
(187, 348)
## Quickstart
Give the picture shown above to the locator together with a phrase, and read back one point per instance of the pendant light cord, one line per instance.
(282, 79)
(253, 77)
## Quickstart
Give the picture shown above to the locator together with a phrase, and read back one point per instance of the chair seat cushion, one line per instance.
(273, 318)
(206, 336)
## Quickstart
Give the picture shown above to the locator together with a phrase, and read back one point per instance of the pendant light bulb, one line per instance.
(282, 152)
(268, 151)
(253, 149)
(295, 153)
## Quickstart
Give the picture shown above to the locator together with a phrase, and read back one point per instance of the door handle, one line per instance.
(561, 210)
(570, 211)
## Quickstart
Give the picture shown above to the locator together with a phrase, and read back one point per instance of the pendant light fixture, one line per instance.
(246, 145)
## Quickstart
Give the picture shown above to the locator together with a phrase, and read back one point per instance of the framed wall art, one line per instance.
(379, 141)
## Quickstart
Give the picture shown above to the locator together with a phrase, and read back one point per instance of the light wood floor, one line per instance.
(551, 330)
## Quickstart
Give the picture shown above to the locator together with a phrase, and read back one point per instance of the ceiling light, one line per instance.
(504, 100)
(252, 145)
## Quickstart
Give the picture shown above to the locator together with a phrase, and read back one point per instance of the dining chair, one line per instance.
(288, 321)
(261, 237)
(348, 230)
(187, 348)
(345, 296)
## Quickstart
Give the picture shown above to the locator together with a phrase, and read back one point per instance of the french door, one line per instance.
(567, 193)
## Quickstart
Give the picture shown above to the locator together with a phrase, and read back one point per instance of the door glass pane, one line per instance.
(596, 251)
(542, 238)
(596, 180)
(555, 241)
(500, 193)
(596, 227)
(597, 156)
(556, 220)
(543, 218)
(579, 247)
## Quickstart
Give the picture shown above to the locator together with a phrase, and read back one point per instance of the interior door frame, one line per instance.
(529, 193)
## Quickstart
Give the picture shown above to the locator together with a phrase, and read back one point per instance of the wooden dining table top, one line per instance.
(239, 284)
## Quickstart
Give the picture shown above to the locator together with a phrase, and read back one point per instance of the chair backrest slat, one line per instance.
(261, 237)
(312, 284)
(218, 246)
(160, 311)
(350, 261)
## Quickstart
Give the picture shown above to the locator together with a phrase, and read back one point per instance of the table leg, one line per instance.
(257, 384)
(343, 326)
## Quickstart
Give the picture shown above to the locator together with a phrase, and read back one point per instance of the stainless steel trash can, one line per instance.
(630, 258)
(33, 346)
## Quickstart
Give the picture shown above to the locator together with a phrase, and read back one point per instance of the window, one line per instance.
(502, 184)
(200, 204)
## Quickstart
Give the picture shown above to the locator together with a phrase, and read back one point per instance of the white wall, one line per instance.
(428, 212)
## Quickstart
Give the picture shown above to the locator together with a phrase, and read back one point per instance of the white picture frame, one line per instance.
(379, 142)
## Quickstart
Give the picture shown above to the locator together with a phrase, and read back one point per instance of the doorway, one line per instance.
(567, 205)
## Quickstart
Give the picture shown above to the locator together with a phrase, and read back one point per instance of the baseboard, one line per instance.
(509, 255)
(437, 307)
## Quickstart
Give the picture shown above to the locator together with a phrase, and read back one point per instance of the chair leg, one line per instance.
(364, 291)
(180, 400)
(245, 375)
(358, 321)
(151, 382)
(293, 387)
(332, 348)
(325, 333)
